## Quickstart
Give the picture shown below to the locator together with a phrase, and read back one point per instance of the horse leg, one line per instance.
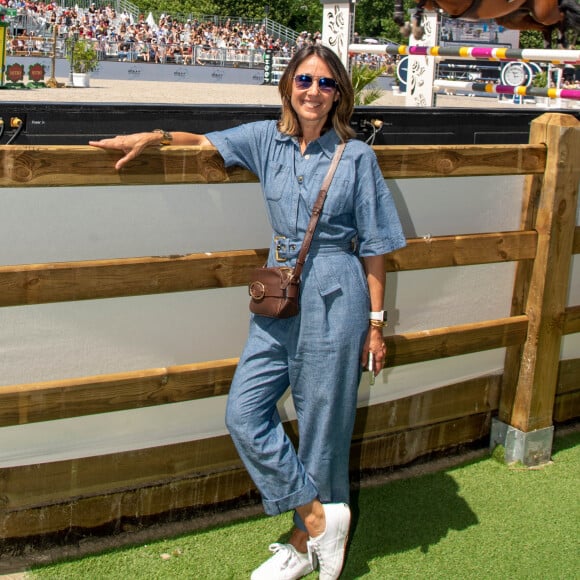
(571, 20)
(399, 18)
(416, 25)
(398, 13)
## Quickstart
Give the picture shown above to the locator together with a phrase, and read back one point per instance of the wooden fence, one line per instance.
(536, 388)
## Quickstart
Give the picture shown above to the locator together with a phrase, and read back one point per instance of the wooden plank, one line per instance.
(471, 397)
(56, 482)
(89, 280)
(567, 403)
(546, 300)
(567, 407)
(451, 341)
(460, 160)
(568, 376)
(56, 165)
(405, 446)
(172, 500)
(576, 243)
(446, 251)
(29, 403)
(62, 399)
(572, 320)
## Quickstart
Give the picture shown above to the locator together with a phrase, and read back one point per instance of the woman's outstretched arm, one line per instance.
(134, 144)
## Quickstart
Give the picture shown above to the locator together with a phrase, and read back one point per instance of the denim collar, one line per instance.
(326, 142)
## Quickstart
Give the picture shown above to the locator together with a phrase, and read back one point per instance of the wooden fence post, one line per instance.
(526, 406)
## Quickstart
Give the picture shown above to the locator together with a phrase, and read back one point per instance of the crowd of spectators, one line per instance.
(121, 37)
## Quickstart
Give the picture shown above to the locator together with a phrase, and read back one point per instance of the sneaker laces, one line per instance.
(314, 553)
(283, 554)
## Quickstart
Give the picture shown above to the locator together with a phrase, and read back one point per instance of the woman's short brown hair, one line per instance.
(341, 112)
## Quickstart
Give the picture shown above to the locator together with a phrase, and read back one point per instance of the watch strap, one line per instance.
(166, 138)
(380, 315)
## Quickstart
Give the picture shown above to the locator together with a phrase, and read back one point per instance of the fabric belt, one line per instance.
(285, 249)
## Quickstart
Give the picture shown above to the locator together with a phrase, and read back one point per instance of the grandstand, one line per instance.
(120, 32)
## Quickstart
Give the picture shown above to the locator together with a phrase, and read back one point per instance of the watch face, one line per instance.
(514, 74)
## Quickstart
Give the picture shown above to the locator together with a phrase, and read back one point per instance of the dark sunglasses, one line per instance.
(304, 82)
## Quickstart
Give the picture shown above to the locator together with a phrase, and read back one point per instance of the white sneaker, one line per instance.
(286, 564)
(327, 550)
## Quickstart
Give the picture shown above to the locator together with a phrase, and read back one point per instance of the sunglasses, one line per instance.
(325, 84)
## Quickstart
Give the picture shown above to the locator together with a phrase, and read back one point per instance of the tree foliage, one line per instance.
(296, 14)
(373, 18)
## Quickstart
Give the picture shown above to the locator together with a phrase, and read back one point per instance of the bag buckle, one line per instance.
(281, 245)
(278, 247)
(257, 290)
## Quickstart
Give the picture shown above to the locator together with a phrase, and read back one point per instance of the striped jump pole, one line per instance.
(491, 88)
(473, 52)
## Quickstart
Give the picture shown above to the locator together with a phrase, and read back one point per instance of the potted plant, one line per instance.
(363, 78)
(84, 60)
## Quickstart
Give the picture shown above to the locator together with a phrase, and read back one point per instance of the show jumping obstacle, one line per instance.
(474, 52)
(522, 91)
(499, 54)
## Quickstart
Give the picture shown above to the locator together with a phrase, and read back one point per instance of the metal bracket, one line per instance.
(531, 449)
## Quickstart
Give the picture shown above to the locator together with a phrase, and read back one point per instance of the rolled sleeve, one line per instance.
(241, 145)
(377, 221)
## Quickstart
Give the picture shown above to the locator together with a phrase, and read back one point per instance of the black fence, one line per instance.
(75, 124)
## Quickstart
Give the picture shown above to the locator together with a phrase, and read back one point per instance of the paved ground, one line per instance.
(114, 91)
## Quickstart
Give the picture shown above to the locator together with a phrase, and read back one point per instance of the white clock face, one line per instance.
(514, 74)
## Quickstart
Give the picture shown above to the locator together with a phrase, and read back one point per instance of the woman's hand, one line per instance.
(132, 145)
(375, 344)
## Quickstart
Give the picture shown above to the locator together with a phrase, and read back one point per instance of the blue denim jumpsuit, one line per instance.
(317, 353)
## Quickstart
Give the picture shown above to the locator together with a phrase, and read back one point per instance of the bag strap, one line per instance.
(316, 211)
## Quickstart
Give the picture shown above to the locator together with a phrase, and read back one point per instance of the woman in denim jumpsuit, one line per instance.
(320, 353)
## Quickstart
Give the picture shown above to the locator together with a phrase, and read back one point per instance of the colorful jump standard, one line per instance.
(3, 27)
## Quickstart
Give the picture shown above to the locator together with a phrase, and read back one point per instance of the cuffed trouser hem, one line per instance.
(274, 507)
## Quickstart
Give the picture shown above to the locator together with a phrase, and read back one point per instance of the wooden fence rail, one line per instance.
(208, 472)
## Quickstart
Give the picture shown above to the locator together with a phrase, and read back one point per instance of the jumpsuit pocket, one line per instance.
(339, 199)
(345, 274)
(326, 279)
(355, 267)
(278, 181)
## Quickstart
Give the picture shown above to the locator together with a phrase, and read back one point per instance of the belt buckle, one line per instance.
(278, 248)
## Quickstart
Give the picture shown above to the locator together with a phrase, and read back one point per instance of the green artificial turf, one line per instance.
(478, 520)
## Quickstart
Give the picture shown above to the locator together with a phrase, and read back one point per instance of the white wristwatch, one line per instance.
(380, 315)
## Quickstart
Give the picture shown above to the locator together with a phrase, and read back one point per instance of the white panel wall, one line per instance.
(54, 341)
